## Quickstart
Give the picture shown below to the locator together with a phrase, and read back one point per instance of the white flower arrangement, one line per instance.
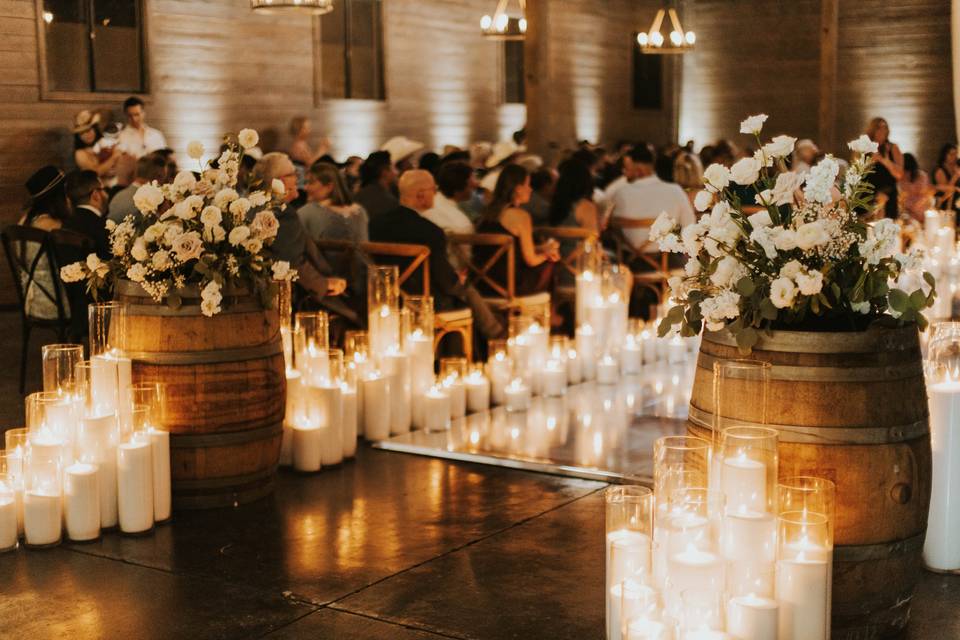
(194, 232)
(805, 261)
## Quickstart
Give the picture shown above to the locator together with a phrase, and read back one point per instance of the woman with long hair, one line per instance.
(330, 212)
(47, 208)
(533, 264)
(688, 173)
(572, 204)
(945, 177)
(89, 151)
(887, 168)
(915, 190)
(300, 151)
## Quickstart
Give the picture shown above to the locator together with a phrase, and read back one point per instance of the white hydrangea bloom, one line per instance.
(821, 180)
(719, 308)
(73, 272)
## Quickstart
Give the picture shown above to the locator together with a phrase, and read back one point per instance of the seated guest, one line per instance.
(456, 184)
(572, 204)
(300, 151)
(805, 155)
(533, 265)
(88, 150)
(89, 199)
(430, 161)
(915, 187)
(293, 244)
(945, 177)
(406, 225)
(330, 212)
(402, 152)
(688, 173)
(377, 181)
(137, 138)
(47, 209)
(543, 182)
(151, 167)
(647, 196)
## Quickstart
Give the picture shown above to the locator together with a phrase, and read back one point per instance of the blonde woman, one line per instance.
(688, 173)
(887, 167)
(300, 151)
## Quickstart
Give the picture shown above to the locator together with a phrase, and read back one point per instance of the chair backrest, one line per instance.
(410, 258)
(658, 260)
(477, 272)
(69, 246)
(569, 252)
(17, 239)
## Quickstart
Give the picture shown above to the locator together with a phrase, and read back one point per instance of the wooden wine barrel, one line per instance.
(224, 392)
(850, 407)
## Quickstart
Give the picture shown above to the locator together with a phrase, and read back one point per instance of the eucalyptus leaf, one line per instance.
(745, 286)
(899, 300)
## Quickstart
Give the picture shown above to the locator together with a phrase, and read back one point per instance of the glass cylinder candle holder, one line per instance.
(453, 376)
(107, 326)
(589, 277)
(311, 340)
(478, 389)
(11, 497)
(748, 469)
(686, 552)
(16, 442)
(421, 315)
(383, 309)
(631, 597)
(680, 462)
(51, 420)
(59, 367)
(42, 502)
(803, 575)
(151, 425)
(616, 286)
(499, 369)
(98, 435)
(702, 615)
(285, 311)
(629, 520)
(808, 494)
(740, 389)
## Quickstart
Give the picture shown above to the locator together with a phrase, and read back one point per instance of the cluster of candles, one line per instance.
(92, 456)
(719, 549)
(940, 258)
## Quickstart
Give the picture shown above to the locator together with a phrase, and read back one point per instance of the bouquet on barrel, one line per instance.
(197, 230)
(803, 261)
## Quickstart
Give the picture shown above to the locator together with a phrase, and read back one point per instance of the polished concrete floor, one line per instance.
(389, 546)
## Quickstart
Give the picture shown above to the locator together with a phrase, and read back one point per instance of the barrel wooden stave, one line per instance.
(855, 422)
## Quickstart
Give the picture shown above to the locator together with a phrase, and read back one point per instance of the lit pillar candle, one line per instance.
(307, 447)
(574, 367)
(458, 397)
(626, 600)
(135, 486)
(607, 370)
(751, 617)
(124, 391)
(694, 569)
(348, 398)
(498, 368)
(803, 594)
(554, 378)
(44, 445)
(517, 395)
(598, 317)
(478, 392)
(81, 502)
(749, 537)
(396, 366)
(8, 519)
(376, 407)
(42, 517)
(160, 451)
(646, 629)
(676, 350)
(744, 483)
(103, 383)
(384, 329)
(941, 550)
(331, 427)
(292, 415)
(436, 409)
(586, 341)
(103, 432)
(631, 357)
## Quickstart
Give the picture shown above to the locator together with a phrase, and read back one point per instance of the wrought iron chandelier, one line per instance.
(504, 24)
(316, 7)
(679, 41)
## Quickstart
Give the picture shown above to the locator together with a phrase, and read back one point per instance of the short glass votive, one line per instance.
(107, 326)
(59, 366)
(748, 469)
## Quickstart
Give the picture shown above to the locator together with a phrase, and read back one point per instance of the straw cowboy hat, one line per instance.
(401, 148)
(85, 120)
(501, 151)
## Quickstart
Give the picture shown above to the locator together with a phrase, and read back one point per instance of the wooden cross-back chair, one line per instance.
(28, 249)
(505, 299)
(654, 277)
(571, 241)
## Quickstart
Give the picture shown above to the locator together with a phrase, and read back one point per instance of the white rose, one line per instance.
(93, 262)
(154, 231)
(863, 144)
(277, 187)
(785, 187)
(139, 250)
(281, 270)
(703, 200)
(224, 197)
(148, 198)
(211, 216)
(760, 219)
(188, 246)
(240, 207)
(185, 181)
(662, 227)
(791, 270)
(764, 198)
(73, 272)
(184, 211)
(745, 171)
(728, 271)
(137, 272)
(195, 149)
(248, 138)
(265, 225)
(161, 260)
(784, 239)
(762, 158)
(810, 283)
(811, 234)
(692, 235)
(716, 177)
(753, 124)
(252, 245)
(238, 234)
(258, 198)
(209, 308)
(211, 291)
(782, 292)
(780, 147)
(763, 236)
(719, 308)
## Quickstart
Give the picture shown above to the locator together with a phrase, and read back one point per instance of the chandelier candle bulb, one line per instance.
(478, 391)
(135, 486)
(81, 502)
(436, 409)
(751, 617)
(376, 407)
(941, 550)
(160, 451)
(307, 448)
(607, 370)
(348, 398)
(554, 378)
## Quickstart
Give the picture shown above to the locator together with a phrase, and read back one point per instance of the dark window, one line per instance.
(351, 51)
(93, 45)
(513, 71)
(647, 79)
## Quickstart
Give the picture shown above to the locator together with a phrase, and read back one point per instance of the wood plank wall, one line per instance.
(893, 60)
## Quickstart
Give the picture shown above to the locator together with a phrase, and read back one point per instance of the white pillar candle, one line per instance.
(135, 486)
(517, 395)
(744, 483)
(458, 397)
(749, 537)
(623, 604)
(499, 372)
(574, 367)
(103, 383)
(619, 318)
(554, 378)
(676, 351)
(293, 414)
(941, 550)
(598, 317)
(646, 629)
(588, 288)
(376, 407)
(81, 502)
(314, 365)
(436, 409)
(160, 452)
(396, 366)
(607, 370)
(384, 329)
(348, 419)
(44, 445)
(330, 427)
(102, 431)
(478, 392)
(586, 341)
(803, 594)
(124, 391)
(648, 347)
(631, 357)
(704, 634)
(307, 447)
(420, 348)
(752, 618)
(42, 517)
(8, 522)
(694, 569)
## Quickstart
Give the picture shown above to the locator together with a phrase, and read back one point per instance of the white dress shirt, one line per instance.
(647, 198)
(448, 216)
(140, 142)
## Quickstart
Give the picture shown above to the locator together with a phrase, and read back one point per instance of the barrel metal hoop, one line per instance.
(212, 356)
(229, 439)
(826, 435)
(188, 310)
(831, 374)
(882, 551)
(869, 341)
(225, 482)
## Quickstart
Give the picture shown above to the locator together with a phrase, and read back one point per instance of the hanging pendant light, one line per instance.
(679, 41)
(315, 7)
(504, 24)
